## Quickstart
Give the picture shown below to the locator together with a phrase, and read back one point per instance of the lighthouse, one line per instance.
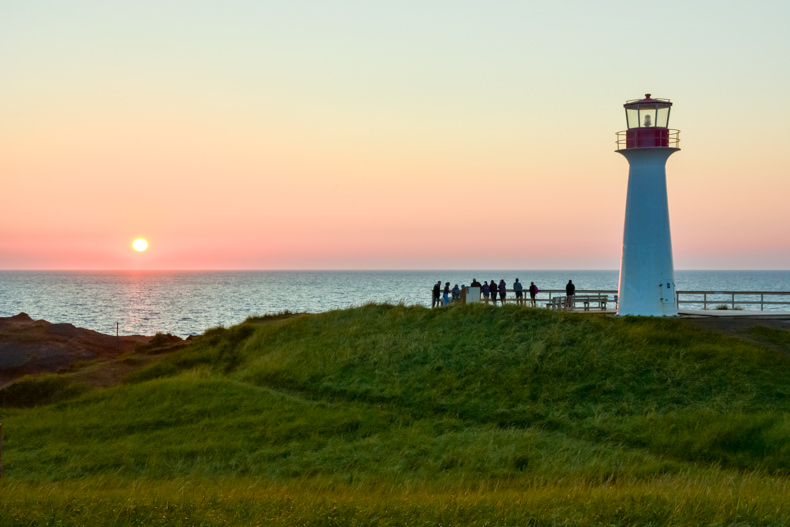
(647, 274)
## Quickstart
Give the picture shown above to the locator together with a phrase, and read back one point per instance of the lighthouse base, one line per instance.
(647, 284)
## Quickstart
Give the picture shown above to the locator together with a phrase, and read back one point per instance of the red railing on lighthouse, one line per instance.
(648, 138)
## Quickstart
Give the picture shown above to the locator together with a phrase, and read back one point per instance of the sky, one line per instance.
(353, 134)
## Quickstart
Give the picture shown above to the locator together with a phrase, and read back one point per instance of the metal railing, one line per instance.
(738, 300)
(673, 139)
(546, 297)
(769, 301)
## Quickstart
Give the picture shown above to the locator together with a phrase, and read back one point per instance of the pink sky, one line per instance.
(354, 136)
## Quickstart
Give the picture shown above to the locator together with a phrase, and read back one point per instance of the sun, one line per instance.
(140, 245)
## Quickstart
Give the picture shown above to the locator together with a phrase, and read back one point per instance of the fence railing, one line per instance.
(545, 297)
(691, 300)
(665, 137)
(738, 300)
(771, 301)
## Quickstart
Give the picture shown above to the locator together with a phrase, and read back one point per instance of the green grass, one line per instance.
(396, 415)
(702, 500)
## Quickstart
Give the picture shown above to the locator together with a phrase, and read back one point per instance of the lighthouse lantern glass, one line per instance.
(648, 113)
(662, 117)
(632, 116)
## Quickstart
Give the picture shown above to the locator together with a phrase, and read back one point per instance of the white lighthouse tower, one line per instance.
(647, 274)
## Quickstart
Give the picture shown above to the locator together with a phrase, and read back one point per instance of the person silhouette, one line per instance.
(437, 295)
(570, 292)
(533, 291)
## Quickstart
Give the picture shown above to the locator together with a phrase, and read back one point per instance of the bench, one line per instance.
(586, 300)
(555, 302)
(559, 302)
(599, 300)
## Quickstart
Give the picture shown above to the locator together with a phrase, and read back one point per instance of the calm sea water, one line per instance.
(188, 303)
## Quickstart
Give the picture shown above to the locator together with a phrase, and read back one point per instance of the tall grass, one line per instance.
(393, 415)
(696, 500)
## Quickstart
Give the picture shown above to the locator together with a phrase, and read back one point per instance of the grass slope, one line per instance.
(391, 415)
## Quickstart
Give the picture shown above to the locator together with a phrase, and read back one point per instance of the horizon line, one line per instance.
(326, 270)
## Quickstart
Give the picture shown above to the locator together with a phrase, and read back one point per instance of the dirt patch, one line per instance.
(747, 328)
(738, 324)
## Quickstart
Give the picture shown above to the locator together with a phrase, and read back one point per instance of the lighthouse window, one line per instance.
(662, 117)
(632, 115)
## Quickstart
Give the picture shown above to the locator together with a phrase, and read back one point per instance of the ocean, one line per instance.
(187, 303)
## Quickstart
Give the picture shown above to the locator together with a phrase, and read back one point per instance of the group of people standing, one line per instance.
(492, 289)
(489, 290)
(441, 295)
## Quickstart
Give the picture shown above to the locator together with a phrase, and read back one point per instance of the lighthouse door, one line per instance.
(667, 292)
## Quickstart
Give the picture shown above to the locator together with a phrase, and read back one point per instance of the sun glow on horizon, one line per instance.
(140, 245)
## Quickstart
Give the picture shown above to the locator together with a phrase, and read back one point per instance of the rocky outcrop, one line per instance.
(30, 346)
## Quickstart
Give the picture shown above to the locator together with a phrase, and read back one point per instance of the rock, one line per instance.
(30, 346)
(17, 320)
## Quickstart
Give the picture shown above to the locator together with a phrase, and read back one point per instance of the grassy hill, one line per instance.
(394, 415)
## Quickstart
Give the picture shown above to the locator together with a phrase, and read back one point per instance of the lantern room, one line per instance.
(648, 124)
(647, 113)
